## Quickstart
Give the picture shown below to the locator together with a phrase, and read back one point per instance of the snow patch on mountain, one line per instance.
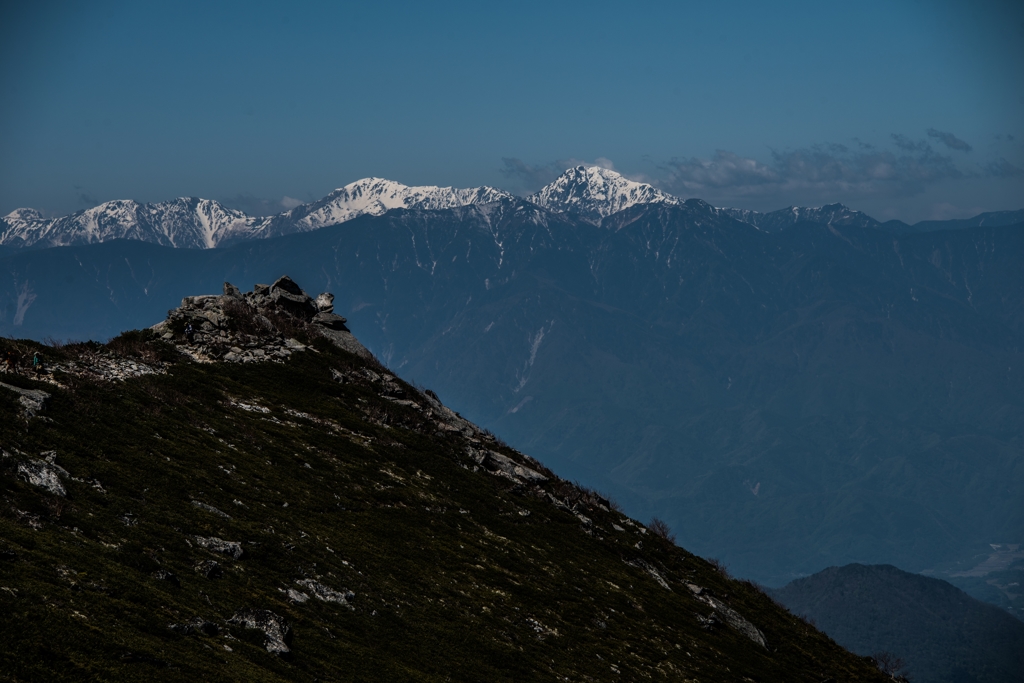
(594, 193)
(377, 195)
(374, 196)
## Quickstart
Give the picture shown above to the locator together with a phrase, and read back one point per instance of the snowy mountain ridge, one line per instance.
(193, 223)
(373, 196)
(589, 193)
(186, 222)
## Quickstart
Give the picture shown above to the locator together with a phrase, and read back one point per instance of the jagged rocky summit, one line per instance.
(255, 326)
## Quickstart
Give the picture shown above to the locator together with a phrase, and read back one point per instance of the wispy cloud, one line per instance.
(256, 206)
(949, 140)
(87, 200)
(905, 167)
(1002, 169)
(819, 171)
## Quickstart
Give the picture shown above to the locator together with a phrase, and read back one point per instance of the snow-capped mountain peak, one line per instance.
(593, 192)
(377, 195)
(23, 216)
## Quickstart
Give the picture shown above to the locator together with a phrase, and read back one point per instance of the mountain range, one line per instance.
(588, 193)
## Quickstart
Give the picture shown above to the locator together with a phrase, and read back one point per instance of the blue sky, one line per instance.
(903, 109)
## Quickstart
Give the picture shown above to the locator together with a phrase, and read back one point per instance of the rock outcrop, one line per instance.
(32, 400)
(45, 474)
(216, 545)
(325, 593)
(274, 627)
(256, 326)
(728, 615)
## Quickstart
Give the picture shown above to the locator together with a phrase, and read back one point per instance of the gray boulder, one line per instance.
(325, 593)
(325, 302)
(32, 400)
(45, 474)
(274, 627)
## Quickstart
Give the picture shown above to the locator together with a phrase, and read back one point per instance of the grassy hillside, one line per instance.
(386, 538)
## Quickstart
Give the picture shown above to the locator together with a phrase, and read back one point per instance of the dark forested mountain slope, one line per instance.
(787, 401)
(943, 634)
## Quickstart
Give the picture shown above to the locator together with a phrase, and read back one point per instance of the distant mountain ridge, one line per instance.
(830, 214)
(591, 194)
(943, 634)
(193, 223)
(186, 222)
(989, 219)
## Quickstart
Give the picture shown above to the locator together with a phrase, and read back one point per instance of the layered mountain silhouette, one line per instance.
(788, 395)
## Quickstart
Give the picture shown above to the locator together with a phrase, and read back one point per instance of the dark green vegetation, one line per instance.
(943, 634)
(786, 401)
(458, 574)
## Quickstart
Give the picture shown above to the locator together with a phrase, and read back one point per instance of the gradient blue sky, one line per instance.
(903, 109)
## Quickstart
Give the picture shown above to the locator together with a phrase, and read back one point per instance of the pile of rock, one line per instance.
(254, 326)
(104, 366)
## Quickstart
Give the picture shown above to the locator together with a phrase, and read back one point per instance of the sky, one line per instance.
(908, 110)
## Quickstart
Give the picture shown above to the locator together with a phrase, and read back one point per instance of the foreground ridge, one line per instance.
(305, 514)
